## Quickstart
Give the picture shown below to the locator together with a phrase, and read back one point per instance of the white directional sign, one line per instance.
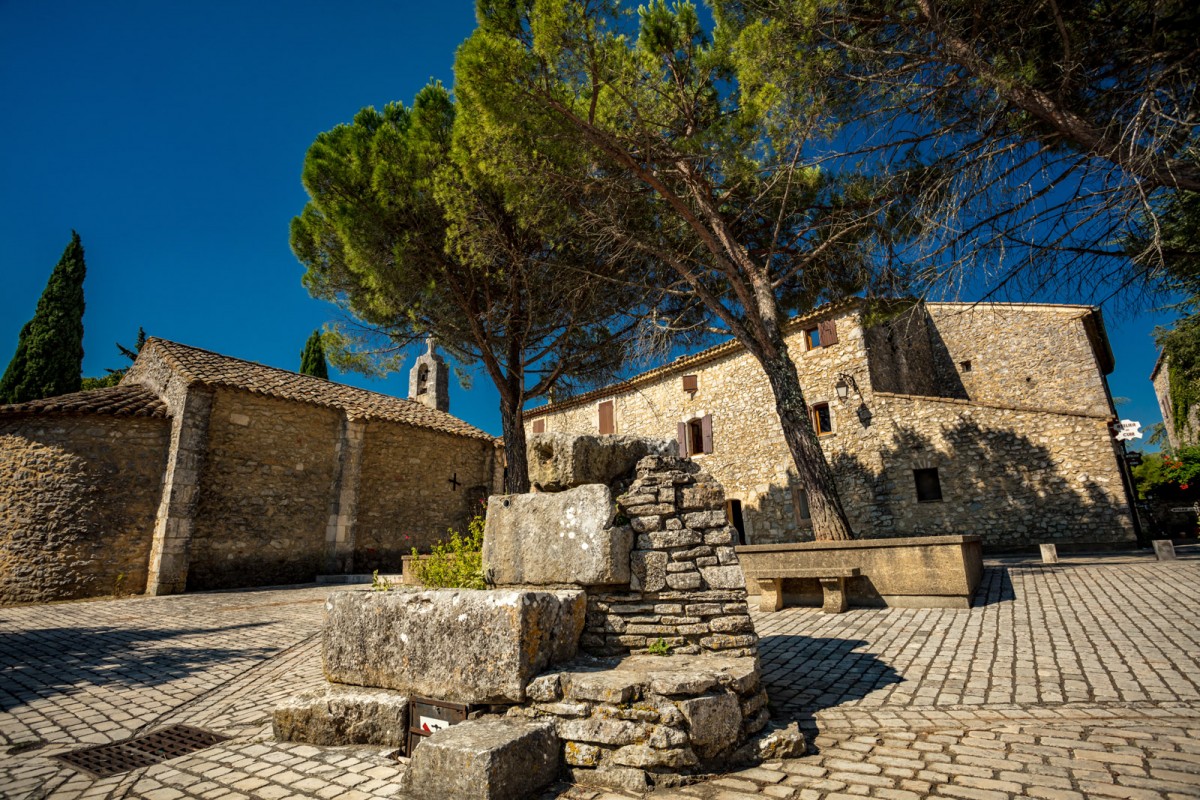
(1127, 429)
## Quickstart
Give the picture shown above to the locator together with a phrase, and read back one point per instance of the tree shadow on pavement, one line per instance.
(39, 663)
(804, 675)
(996, 587)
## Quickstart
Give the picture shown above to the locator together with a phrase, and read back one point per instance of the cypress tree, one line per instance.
(49, 357)
(312, 358)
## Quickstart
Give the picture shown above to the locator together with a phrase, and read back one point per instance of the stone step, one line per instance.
(483, 759)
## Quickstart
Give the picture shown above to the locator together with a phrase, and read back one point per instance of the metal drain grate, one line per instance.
(141, 751)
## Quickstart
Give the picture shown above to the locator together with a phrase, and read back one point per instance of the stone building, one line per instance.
(1179, 435)
(937, 418)
(201, 471)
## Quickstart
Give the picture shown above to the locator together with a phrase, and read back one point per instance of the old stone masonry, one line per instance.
(616, 644)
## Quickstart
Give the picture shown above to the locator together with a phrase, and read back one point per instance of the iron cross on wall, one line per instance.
(454, 483)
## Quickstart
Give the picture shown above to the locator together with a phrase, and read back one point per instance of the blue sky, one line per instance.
(172, 136)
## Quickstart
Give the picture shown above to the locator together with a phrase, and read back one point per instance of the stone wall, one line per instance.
(407, 498)
(265, 490)
(1030, 356)
(189, 406)
(649, 720)
(78, 496)
(1016, 478)
(1020, 461)
(1161, 379)
(686, 588)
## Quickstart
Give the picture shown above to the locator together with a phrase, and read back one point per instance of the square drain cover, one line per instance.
(140, 751)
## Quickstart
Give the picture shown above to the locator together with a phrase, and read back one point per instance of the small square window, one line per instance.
(929, 485)
(812, 338)
(539, 426)
(822, 420)
(965, 366)
(691, 383)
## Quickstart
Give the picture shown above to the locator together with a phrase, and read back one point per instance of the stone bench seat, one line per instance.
(832, 580)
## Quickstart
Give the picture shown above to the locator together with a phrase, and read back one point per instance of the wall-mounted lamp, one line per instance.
(842, 387)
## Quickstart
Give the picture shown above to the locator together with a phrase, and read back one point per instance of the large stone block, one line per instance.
(559, 461)
(460, 645)
(336, 715)
(554, 539)
(483, 759)
(713, 722)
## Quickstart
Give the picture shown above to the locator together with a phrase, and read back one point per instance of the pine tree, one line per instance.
(49, 357)
(312, 358)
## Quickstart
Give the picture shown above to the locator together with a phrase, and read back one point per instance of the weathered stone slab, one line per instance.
(484, 759)
(337, 715)
(714, 722)
(461, 645)
(554, 539)
(560, 461)
(1164, 549)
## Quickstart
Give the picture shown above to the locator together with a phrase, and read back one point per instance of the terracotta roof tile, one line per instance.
(686, 361)
(198, 366)
(130, 400)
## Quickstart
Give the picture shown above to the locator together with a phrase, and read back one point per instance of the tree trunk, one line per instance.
(512, 420)
(828, 516)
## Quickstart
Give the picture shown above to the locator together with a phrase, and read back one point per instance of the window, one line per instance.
(691, 383)
(929, 486)
(422, 379)
(800, 505)
(824, 335)
(607, 423)
(965, 366)
(822, 420)
(695, 436)
(539, 426)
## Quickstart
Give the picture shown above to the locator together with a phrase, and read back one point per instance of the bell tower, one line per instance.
(429, 380)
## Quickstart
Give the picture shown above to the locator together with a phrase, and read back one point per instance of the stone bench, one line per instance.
(832, 580)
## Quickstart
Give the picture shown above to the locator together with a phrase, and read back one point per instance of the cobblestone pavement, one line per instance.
(1077, 680)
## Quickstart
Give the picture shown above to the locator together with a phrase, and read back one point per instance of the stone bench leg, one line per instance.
(834, 592)
(770, 594)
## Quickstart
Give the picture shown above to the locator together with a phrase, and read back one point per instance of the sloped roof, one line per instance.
(205, 367)
(126, 400)
(685, 362)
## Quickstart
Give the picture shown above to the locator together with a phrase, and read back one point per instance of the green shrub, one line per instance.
(456, 562)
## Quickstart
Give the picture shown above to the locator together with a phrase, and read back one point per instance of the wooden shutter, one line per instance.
(539, 426)
(690, 383)
(683, 440)
(828, 333)
(606, 418)
(706, 433)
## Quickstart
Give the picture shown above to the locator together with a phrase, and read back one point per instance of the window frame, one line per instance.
(808, 338)
(814, 418)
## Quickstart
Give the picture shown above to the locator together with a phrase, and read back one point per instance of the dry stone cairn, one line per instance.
(562, 660)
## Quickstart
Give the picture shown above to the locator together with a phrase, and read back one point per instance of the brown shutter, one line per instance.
(683, 437)
(828, 333)
(606, 418)
(539, 426)
(706, 433)
(690, 383)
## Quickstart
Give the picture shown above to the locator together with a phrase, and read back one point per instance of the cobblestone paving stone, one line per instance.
(1077, 680)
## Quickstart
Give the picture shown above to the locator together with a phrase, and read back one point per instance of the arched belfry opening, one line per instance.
(429, 380)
